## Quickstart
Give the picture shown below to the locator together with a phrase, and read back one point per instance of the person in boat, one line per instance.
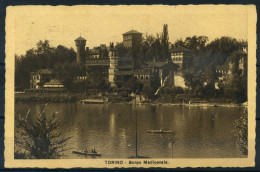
(94, 151)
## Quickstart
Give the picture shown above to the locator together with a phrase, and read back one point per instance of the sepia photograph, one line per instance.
(130, 86)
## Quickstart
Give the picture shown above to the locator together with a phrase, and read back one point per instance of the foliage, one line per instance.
(39, 139)
(155, 48)
(43, 57)
(241, 132)
(202, 76)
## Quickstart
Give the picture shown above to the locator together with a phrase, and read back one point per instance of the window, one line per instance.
(147, 77)
(142, 77)
(136, 77)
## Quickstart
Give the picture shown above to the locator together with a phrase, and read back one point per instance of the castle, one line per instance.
(106, 63)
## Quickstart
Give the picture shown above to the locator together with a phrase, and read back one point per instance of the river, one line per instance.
(110, 129)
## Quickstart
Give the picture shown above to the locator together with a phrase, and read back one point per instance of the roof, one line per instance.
(80, 39)
(179, 49)
(54, 82)
(132, 32)
(44, 71)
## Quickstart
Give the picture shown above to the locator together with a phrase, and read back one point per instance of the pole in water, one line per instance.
(172, 148)
(136, 154)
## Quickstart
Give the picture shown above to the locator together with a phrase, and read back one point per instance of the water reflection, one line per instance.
(110, 129)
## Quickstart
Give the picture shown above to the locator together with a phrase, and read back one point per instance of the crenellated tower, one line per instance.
(80, 43)
(113, 68)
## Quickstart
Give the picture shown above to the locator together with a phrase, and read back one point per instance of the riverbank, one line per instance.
(66, 97)
(113, 98)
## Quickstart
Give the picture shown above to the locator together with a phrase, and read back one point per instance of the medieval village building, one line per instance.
(105, 62)
(115, 68)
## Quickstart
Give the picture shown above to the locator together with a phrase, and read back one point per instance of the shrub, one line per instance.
(241, 132)
(41, 139)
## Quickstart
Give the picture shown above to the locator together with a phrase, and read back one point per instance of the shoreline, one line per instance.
(113, 99)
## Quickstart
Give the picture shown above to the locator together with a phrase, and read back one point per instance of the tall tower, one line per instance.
(113, 68)
(80, 43)
(132, 39)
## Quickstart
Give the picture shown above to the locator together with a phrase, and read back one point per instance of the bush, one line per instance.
(241, 132)
(41, 139)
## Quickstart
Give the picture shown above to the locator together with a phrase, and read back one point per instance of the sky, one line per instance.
(61, 25)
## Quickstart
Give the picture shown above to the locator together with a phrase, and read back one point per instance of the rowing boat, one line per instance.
(87, 153)
(159, 131)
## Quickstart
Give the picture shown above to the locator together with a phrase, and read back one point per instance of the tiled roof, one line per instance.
(132, 32)
(80, 39)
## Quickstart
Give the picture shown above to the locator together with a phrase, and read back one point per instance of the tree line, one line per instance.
(206, 57)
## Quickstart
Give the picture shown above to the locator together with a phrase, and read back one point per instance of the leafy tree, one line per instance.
(196, 43)
(179, 43)
(43, 57)
(39, 139)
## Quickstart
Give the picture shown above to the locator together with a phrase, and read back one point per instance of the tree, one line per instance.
(165, 43)
(196, 43)
(43, 57)
(236, 82)
(39, 139)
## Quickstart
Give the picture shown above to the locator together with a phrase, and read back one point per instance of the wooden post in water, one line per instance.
(172, 148)
(136, 153)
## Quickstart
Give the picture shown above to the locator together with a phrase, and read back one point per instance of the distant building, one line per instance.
(53, 84)
(144, 76)
(113, 68)
(132, 39)
(226, 69)
(182, 57)
(162, 71)
(121, 68)
(41, 76)
(223, 70)
(94, 53)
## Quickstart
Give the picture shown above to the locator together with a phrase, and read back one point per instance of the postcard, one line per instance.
(126, 86)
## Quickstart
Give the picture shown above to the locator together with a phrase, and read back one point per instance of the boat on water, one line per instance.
(95, 101)
(86, 153)
(160, 131)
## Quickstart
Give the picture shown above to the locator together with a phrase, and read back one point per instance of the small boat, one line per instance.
(159, 131)
(94, 101)
(87, 153)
